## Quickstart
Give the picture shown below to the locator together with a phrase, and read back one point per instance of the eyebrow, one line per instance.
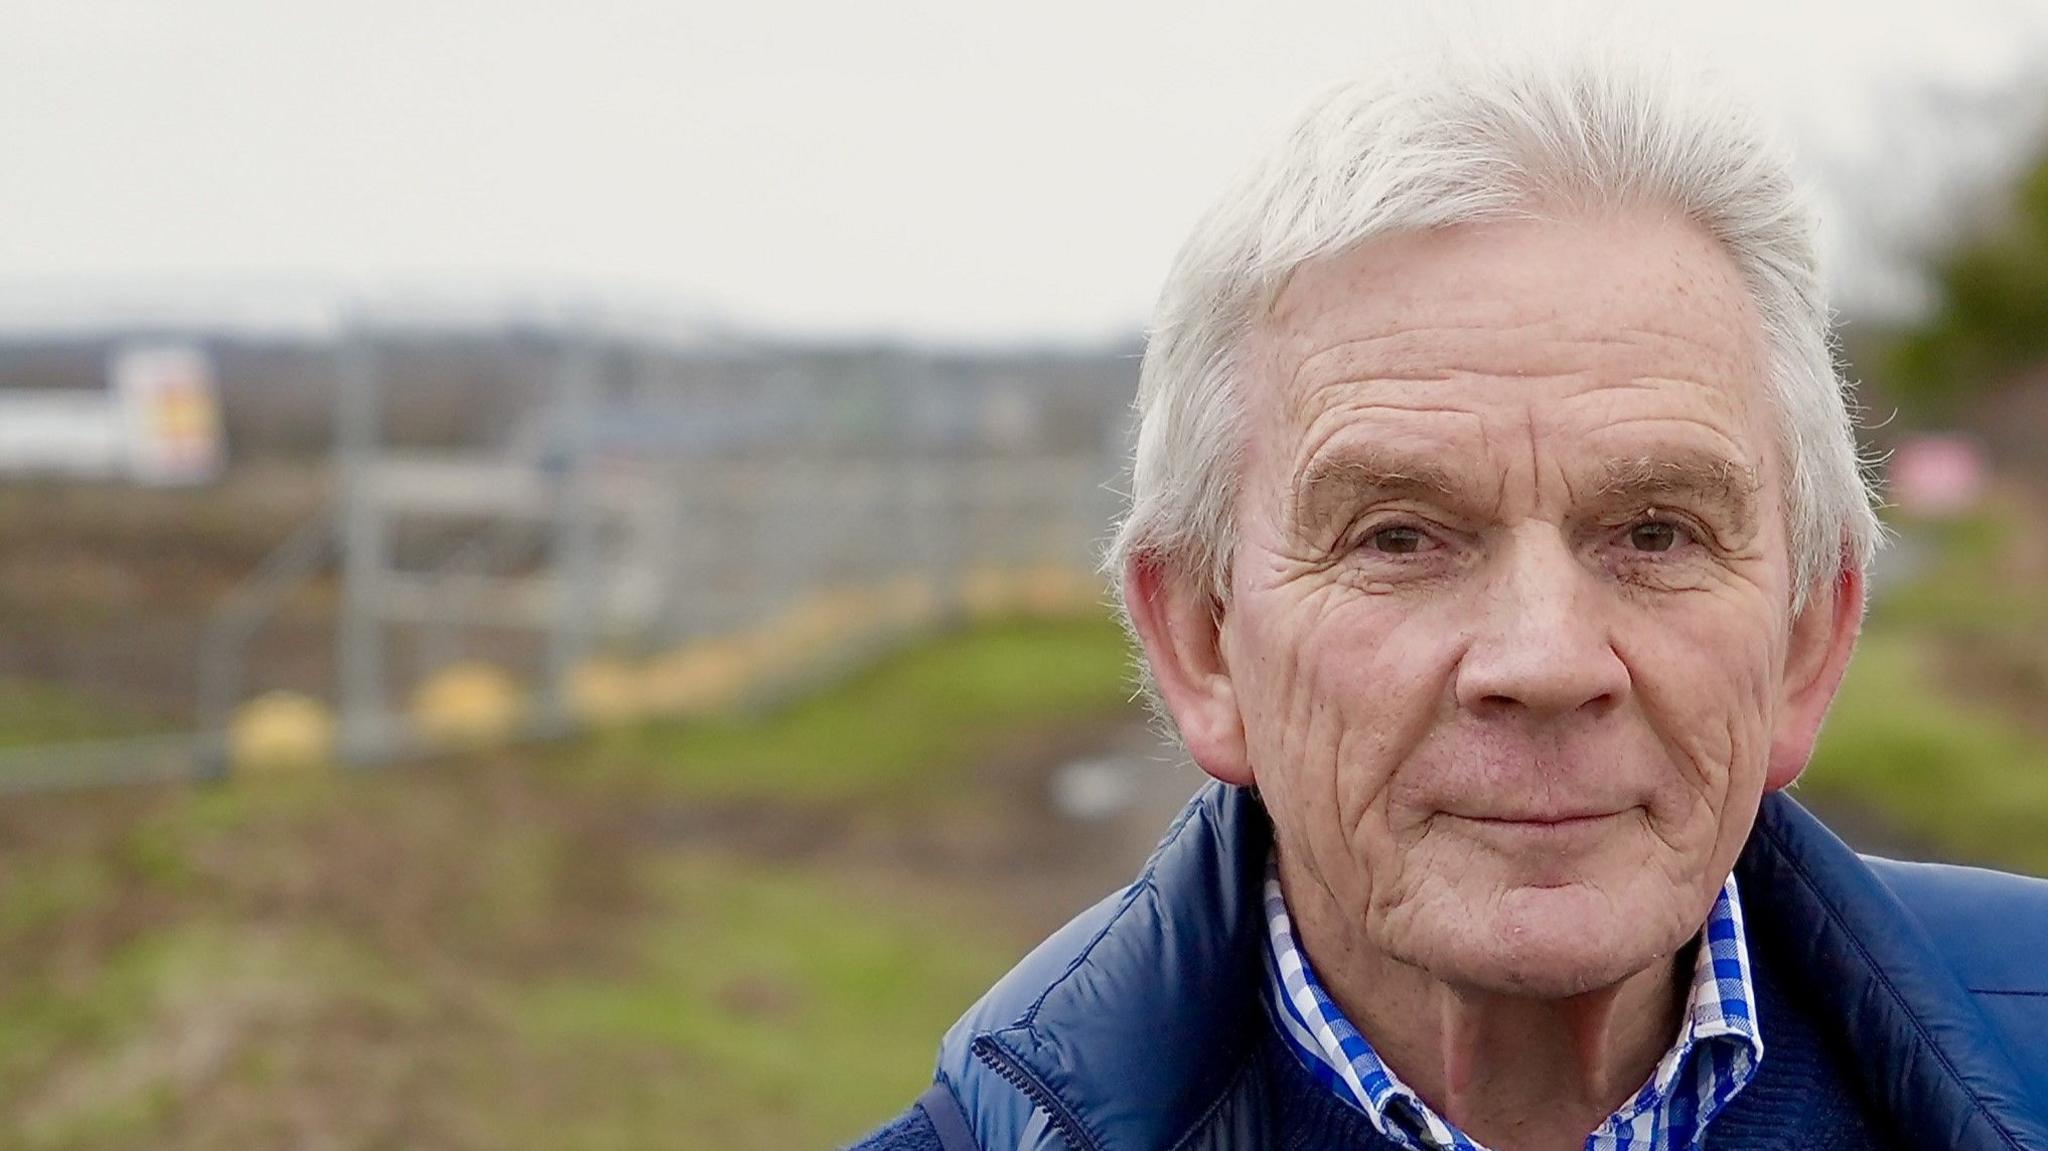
(1333, 486)
(1711, 482)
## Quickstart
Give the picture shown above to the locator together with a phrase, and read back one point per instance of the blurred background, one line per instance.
(546, 587)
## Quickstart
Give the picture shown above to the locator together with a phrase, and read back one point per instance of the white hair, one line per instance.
(1472, 136)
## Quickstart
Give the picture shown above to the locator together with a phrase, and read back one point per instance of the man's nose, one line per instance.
(1540, 645)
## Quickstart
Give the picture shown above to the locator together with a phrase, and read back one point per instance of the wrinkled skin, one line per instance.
(1508, 649)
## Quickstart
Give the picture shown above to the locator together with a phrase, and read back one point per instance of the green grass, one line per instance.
(174, 1037)
(32, 713)
(508, 951)
(804, 1011)
(754, 1007)
(1971, 779)
(881, 731)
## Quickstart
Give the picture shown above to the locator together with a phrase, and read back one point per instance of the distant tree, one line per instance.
(1990, 316)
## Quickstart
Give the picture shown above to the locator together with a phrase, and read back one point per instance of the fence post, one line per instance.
(576, 528)
(365, 720)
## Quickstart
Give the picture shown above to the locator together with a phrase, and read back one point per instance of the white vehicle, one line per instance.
(157, 422)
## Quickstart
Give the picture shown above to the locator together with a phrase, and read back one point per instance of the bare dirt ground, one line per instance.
(189, 940)
(1002, 835)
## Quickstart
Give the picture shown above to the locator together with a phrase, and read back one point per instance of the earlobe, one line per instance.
(1181, 628)
(1816, 658)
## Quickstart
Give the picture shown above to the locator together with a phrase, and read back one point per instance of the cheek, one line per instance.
(1343, 690)
(1704, 681)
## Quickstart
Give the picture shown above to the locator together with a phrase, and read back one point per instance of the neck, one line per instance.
(1510, 1071)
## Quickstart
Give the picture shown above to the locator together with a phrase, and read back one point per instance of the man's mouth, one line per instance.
(1557, 820)
(1541, 825)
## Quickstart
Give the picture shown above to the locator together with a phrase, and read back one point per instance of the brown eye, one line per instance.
(1654, 536)
(1398, 541)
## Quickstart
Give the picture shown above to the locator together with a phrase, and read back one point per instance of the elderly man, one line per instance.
(1497, 544)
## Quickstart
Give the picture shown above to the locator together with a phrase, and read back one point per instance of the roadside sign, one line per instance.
(171, 409)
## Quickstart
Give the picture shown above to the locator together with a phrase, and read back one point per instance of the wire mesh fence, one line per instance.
(624, 528)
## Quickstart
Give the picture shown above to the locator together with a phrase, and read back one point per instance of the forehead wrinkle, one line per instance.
(1397, 421)
(1357, 347)
(1389, 355)
(1724, 343)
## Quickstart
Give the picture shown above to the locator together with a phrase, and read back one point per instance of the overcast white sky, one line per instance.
(953, 170)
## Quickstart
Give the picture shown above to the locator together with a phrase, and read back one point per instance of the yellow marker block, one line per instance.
(987, 593)
(811, 626)
(468, 705)
(908, 601)
(698, 678)
(607, 692)
(280, 732)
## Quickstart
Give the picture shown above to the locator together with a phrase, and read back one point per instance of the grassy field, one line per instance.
(1965, 779)
(720, 935)
(33, 713)
(883, 731)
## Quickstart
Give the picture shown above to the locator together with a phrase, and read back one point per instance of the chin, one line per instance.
(1546, 943)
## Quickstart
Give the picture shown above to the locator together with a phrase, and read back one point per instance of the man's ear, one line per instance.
(1816, 656)
(1181, 628)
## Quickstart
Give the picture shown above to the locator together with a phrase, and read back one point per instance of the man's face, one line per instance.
(1509, 612)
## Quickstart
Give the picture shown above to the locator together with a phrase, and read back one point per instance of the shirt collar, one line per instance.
(1717, 1050)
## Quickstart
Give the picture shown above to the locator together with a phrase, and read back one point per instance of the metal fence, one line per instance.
(662, 530)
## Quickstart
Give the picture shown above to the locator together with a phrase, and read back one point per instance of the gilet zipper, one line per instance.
(1063, 1121)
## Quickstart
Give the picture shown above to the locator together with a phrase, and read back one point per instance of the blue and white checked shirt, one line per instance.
(1717, 1051)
